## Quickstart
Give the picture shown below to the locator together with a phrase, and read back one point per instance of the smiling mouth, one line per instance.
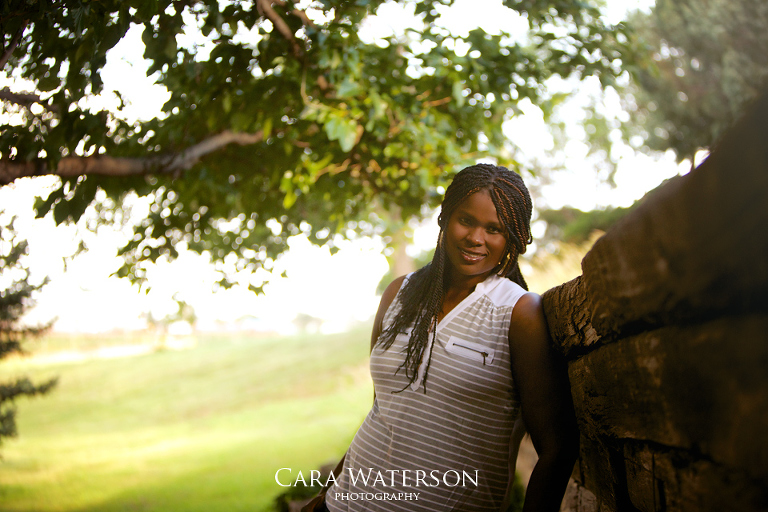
(471, 256)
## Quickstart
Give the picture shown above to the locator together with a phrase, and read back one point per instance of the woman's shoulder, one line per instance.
(504, 292)
(391, 291)
(387, 298)
(529, 303)
(528, 316)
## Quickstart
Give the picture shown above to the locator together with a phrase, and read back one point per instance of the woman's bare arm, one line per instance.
(542, 379)
(386, 300)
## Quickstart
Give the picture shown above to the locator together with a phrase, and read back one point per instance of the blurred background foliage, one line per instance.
(15, 299)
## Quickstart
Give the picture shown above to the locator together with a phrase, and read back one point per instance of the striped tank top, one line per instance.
(446, 449)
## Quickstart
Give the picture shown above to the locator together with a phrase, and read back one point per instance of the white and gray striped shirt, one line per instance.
(446, 449)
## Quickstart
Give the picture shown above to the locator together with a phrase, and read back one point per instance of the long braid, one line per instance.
(422, 295)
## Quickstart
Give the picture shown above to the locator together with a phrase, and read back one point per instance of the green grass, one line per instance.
(202, 429)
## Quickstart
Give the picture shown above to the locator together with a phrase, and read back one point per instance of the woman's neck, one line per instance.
(456, 289)
(456, 284)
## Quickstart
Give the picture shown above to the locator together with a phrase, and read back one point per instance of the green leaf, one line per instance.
(48, 83)
(266, 127)
(348, 88)
(289, 199)
(379, 105)
(170, 48)
(61, 212)
(458, 93)
(343, 130)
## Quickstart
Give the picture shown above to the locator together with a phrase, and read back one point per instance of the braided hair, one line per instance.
(422, 295)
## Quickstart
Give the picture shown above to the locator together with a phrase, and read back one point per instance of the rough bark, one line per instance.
(699, 388)
(665, 334)
(568, 316)
(578, 497)
(659, 478)
(695, 248)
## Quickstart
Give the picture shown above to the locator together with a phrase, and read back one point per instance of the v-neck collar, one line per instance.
(489, 284)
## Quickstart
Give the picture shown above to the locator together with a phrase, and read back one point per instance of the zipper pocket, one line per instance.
(470, 350)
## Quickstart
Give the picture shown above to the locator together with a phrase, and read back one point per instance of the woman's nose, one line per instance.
(475, 236)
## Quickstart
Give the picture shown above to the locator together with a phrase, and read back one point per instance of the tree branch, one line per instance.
(24, 99)
(302, 15)
(13, 44)
(110, 166)
(437, 103)
(265, 8)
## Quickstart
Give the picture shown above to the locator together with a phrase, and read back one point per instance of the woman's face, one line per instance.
(474, 237)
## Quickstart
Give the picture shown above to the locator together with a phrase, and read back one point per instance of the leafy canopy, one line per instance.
(291, 117)
(695, 71)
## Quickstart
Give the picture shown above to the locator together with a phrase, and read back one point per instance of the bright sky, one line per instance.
(339, 289)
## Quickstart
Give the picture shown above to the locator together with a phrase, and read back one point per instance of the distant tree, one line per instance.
(573, 226)
(284, 122)
(703, 62)
(184, 312)
(15, 298)
(305, 322)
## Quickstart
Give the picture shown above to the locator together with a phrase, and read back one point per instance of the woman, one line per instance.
(459, 348)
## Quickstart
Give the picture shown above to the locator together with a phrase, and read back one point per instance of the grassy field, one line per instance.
(199, 429)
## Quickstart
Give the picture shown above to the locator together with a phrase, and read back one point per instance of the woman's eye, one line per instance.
(494, 231)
